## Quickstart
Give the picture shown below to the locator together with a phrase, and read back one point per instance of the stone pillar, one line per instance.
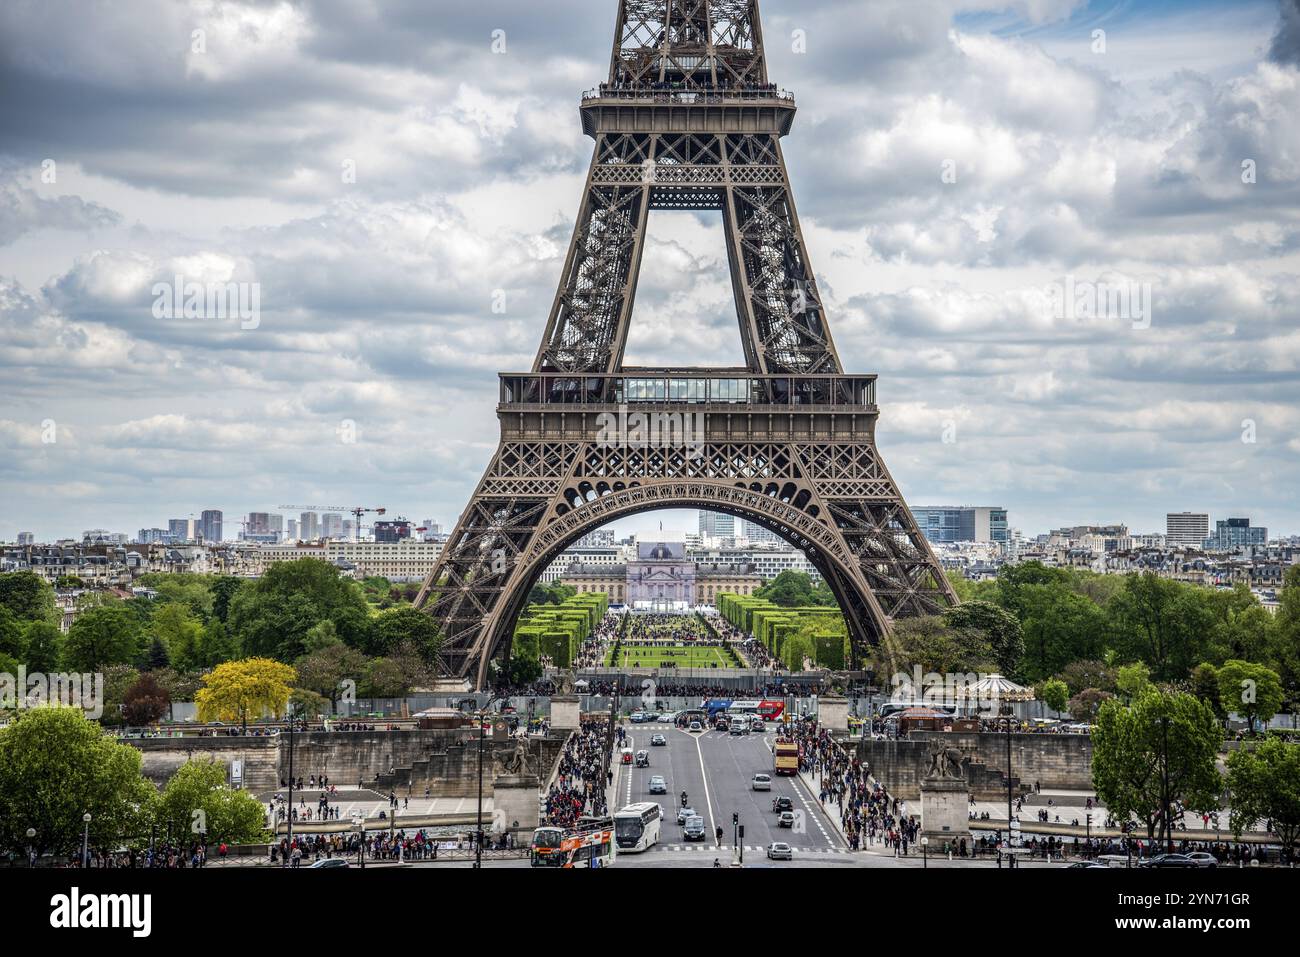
(566, 712)
(514, 802)
(833, 713)
(945, 813)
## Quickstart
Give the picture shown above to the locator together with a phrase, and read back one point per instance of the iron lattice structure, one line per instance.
(686, 120)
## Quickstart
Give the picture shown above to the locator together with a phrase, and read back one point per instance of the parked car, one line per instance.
(1168, 860)
(1202, 859)
(329, 862)
(780, 851)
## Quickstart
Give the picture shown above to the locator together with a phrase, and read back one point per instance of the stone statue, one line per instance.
(564, 683)
(839, 683)
(945, 762)
(516, 761)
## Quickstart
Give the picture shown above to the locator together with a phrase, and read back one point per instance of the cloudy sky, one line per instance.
(380, 172)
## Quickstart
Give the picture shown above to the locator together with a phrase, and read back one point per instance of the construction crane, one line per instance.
(356, 512)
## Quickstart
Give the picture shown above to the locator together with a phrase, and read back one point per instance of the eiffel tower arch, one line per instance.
(686, 120)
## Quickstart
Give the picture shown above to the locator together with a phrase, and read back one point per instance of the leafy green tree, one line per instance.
(398, 625)
(55, 766)
(44, 646)
(28, 597)
(789, 589)
(1055, 694)
(998, 626)
(224, 588)
(383, 679)
(305, 703)
(1164, 623)
(176, 685)
(1265, 786)
(1059, 627)
(102, 636)
(179, 631)
(1205, 686)
(323, 634)
(157, 656)
(198, 806)
(194, 592)
(118, 680)
(215, 645)
(1088, 673)
(68, 583)
(13, 637)
(1253, 691)
(970, 590)
(271, 618)
(1286, 636)
(929, 642)
(1013, 580)
(1159, 750)
(1132, 680)
(553, 593)
(324, 670)
(1245, 629)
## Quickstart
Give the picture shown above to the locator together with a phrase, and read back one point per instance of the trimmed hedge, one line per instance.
(557, 631)
(790, 634)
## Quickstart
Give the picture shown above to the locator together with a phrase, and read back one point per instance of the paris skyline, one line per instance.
(400, 192)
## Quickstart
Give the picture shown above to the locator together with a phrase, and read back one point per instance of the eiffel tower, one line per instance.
(686, 120)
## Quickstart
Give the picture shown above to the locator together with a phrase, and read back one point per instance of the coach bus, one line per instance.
(637, 826)
(589, 844)
(768, 710)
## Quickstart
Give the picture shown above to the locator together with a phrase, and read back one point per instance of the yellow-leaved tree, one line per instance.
(237, 689)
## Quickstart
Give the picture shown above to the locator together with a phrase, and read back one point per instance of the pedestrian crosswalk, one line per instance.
(749, 848)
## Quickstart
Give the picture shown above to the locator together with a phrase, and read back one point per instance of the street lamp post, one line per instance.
(925, 852)
(31, 855)
(478, 836)
(289, 815)
(85, 841)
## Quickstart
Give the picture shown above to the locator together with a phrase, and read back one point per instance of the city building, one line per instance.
(405, 560)
(395, 530)
(182, 529)
(962, 523)
(26, 538)
(753, 533)
(331, 525)
(1187, 528)
(717, 525)
(308, 527)
(1232, 533)
(210, 525)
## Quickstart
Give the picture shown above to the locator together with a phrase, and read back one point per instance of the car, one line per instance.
(669, 717)
(1087, 865)
(658, 785)
(636, 717)
(780, 851)
(786, 819)
(329, 862)
(1168, 860)
(761, 782)
(1202, 859)
(756, 724)
(739, 727)
(782, 804)
(695, 727)
(693, 829)
(684, 814)
(720, 725)
(650, 716)
(658, 741)
(625, 756)
(643, 759)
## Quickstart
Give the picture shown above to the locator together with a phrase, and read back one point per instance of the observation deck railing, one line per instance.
(660, 93)
(692, 387)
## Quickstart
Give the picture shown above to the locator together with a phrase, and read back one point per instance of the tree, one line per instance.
(28, 597)
(929, 643)
(145, 702)
(215, 645)
(13, 636)
(102, 636)
(1265, 786)
(1253, 691)
(55, 766)
(1059, 627)
(324, 670)
(118, 680)
(179, 631)
(789, 589)
(384, 679)
(998, 626)
(1205, 686)
(1286, 636)
(44, 646)
(404, 625)
(198, 806)
(176, 685)
(238, 690)
(554, 593)
(1164, 623)
(224, 588)
(1088, 673)
(306, 703)
(1132, 679)
(1159, 750)
(1055, 694)
(1085, 705)
(271, 618)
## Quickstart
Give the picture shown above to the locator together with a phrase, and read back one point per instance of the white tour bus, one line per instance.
(637, 826)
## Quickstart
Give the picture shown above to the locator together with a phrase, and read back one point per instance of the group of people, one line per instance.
(579, 786)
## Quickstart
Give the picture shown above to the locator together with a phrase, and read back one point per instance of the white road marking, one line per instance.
(704, 775)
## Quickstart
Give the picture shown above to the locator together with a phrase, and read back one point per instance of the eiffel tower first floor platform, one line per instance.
(744, 445)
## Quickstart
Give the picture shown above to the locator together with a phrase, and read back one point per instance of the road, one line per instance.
(715, 770)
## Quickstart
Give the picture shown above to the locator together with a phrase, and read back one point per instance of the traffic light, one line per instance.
(742, 832)
(735, 817)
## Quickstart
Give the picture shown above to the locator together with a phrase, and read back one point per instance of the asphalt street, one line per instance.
(716, 772)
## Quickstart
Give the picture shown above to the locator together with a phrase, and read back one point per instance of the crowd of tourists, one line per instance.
(579, 786)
